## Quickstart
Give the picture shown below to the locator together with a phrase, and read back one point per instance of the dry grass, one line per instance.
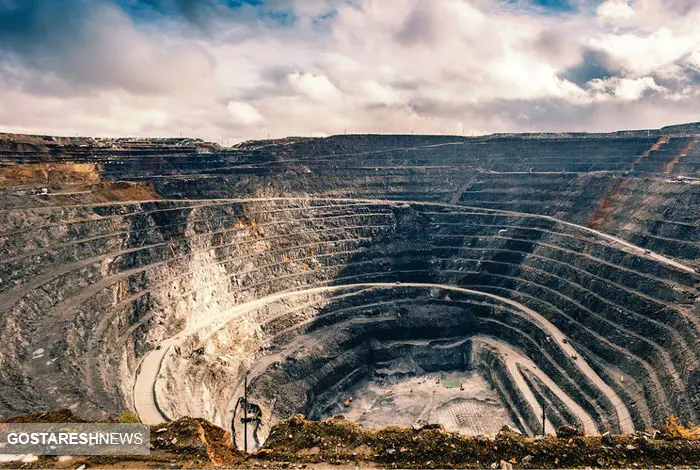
(128, 417)
(675, 428)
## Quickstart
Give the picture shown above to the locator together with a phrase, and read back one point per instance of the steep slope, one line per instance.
(153, 275)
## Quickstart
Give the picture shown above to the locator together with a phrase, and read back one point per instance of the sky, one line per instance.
(233, 70)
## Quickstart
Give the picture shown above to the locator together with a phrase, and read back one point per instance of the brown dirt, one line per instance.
(48, 174)
(185, 443)
(58, 416)
(677, 157)
(298, 443)
(106, 191)
(606, 206)
(664, 139)
(341, 441)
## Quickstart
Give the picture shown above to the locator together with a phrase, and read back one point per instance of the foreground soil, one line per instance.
(299, 443)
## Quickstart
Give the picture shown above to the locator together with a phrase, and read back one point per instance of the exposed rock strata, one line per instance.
(562, 268)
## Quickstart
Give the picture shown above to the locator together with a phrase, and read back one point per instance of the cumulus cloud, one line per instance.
(316, 87)
(612, 11)
(623, 89)
(216, 70)
(243, 113)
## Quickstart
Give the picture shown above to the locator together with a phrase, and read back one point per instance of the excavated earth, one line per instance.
(398, 280)
(298, 443)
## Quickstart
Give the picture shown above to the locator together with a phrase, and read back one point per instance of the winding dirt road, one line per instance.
(513, 359)
(147, 375)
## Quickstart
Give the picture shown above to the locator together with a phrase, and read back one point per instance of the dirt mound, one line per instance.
(300, 443)
(195, 439)
(56, 416)
(340, 441)
(187, 442)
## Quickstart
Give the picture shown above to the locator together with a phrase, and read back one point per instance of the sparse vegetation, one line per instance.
(128, 417)
(675, 428)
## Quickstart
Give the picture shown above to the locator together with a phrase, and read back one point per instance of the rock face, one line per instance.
(151, 275)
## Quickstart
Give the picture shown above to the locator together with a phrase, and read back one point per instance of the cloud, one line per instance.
(419, 27)
(376, 93)
(242, 69)
(243, 113)
(644, 54)
(615, 10)
(317, 87)
(594, 64)
(624, 89)
(94, 45)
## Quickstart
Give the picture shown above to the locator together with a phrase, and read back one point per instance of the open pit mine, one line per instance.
(395, 279)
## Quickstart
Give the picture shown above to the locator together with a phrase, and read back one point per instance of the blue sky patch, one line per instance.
(555, 5)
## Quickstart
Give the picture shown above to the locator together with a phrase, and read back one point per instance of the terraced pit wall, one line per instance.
(562, 268)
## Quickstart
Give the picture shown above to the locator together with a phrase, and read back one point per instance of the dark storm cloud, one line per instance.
(38, 27)
(91, 44)
(47, 35)
(594, 64)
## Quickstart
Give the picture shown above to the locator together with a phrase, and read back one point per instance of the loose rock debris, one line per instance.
(301, 443)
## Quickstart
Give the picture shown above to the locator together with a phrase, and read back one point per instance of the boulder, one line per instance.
(567, 432)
